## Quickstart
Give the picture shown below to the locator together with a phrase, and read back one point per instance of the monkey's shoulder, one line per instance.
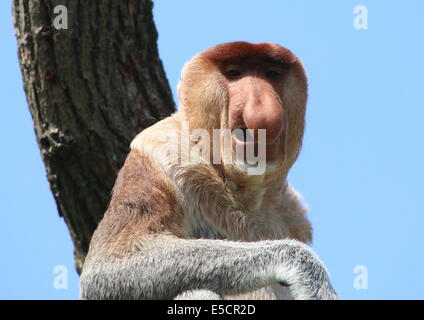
(159, 134)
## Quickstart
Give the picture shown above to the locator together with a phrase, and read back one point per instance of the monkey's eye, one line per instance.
(273, 73)
(232, 72)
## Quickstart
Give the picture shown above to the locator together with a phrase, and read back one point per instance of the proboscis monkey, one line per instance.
(189, 217)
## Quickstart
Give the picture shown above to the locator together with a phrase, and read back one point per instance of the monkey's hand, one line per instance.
(301, 270)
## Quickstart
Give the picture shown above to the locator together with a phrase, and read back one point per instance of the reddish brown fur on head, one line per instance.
(245, 85)
(245, 50)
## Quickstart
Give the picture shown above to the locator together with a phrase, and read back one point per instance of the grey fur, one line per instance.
(168, 268)
(198, 295)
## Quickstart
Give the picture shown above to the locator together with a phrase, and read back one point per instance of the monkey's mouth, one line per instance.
(244, 135)
(248, 143)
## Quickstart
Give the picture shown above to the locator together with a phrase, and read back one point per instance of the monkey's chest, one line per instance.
(253, 226)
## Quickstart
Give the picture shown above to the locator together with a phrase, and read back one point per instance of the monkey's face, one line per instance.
(254, 104)
(247, 87)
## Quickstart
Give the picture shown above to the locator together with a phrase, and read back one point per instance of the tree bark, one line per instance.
(90, 88)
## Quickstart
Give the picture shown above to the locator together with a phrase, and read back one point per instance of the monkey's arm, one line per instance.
(167, 266)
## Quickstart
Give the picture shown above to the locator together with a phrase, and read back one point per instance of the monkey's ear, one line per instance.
(202, 93)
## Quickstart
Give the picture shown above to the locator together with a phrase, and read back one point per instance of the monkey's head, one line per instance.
(240, 85)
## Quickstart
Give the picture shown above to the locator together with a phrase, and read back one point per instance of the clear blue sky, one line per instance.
(360, 171)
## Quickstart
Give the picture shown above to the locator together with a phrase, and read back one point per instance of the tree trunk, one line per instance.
(90, 88)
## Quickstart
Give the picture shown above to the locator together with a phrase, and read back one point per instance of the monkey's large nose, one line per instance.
(262, 110)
